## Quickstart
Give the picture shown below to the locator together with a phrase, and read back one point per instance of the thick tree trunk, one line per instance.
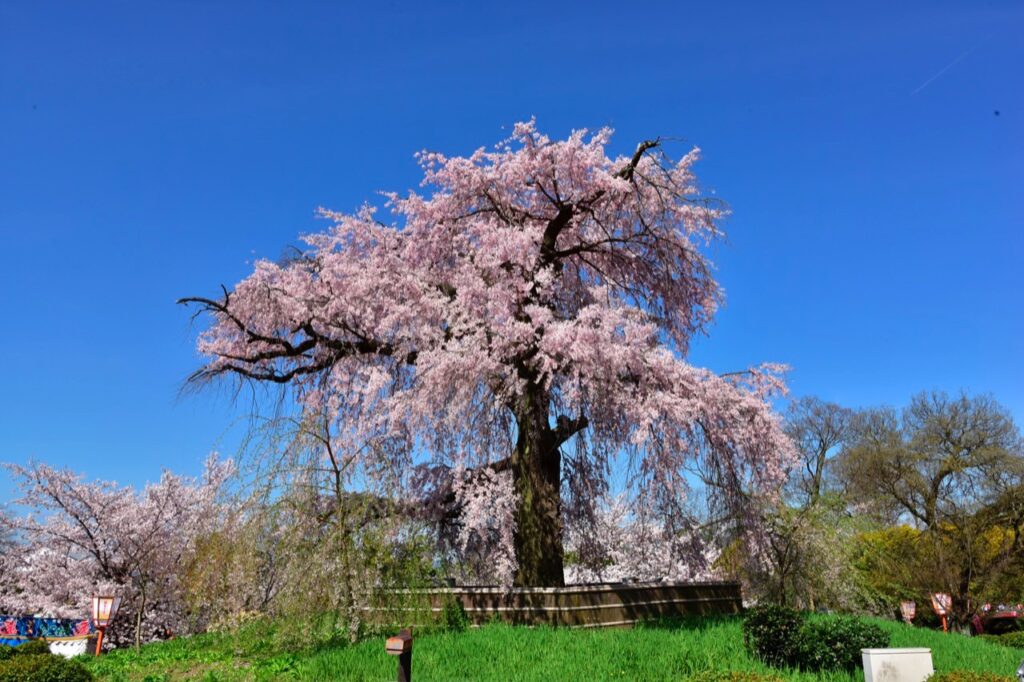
(961, 615)
(537, 472)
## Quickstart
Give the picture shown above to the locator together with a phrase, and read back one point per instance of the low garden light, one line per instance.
(103, 611)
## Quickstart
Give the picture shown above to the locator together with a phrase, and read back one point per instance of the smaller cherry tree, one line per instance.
(80, 538)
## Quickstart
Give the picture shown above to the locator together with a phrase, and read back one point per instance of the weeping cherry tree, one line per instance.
(512, 334)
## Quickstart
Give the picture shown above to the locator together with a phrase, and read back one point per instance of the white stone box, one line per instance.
(897, 665)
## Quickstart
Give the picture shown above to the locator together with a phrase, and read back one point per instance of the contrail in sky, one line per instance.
(949, 66)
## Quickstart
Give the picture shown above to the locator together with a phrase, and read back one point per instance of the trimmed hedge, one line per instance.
(1010, 639)
(835, 643)
(782, 637)
(1014, 639)
(31, 647)
(42, 668)
(772, 633)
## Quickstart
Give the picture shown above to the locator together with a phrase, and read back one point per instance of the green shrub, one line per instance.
(31, 647)
(1010, 639)
(772, 634)
(969, 676)
(731, 676)
(454, 617)
(1014, 639)
(6, 652)
(42, 668)
(782, 637)
(835, 642)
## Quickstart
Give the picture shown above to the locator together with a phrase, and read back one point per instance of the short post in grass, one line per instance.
(401, 645)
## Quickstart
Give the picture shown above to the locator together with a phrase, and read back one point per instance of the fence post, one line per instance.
(401, 645)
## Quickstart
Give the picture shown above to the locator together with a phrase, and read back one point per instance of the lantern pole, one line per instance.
(99, 640)
(103, 611)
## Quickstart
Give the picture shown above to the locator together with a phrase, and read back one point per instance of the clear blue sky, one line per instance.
(151, 150)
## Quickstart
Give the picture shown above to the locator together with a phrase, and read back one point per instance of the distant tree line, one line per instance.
(883, 504)
(889, 504)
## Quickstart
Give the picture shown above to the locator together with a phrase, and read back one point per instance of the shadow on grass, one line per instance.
(691, 623)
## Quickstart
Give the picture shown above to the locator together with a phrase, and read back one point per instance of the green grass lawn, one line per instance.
(499, 652)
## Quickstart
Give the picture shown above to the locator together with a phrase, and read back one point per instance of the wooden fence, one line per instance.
(604, 605)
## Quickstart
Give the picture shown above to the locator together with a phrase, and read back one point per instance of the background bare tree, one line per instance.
(953, 468)
(799, 559)
(818, 428)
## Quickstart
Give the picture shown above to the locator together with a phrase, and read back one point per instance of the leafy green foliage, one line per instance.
(1011, 639)
(1014, 639)
(454, 617)
(278, 665)
(955, 464)
(782, 637)
(31, 647)
(733, 676)
(709, 648)
(36, 667)
(970, 676)
(772, 633)
(835, 642)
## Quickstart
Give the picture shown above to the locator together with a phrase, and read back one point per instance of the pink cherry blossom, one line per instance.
(83, 538)
(530, 310)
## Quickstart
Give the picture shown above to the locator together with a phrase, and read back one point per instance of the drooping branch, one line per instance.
(448, 498)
